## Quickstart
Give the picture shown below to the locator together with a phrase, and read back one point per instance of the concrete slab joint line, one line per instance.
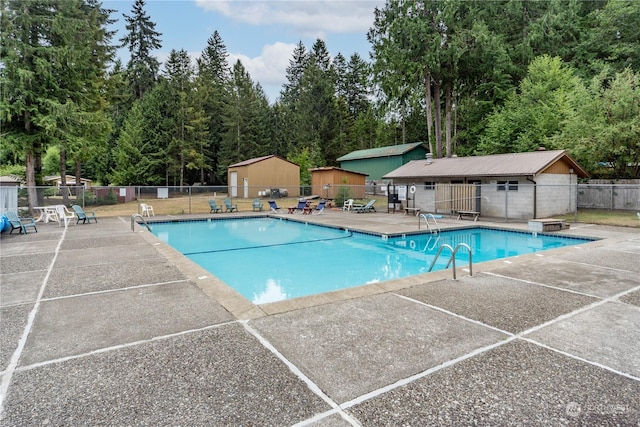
(562, 344)
(293, 368)
(8, 374)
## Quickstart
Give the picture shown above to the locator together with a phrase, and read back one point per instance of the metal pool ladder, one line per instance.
(426, 219)
(452, 259)
(137, 215)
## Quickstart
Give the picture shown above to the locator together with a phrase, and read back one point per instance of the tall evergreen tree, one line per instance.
(212, 84)
(190, 132)
(288, 119)
(246, 119)
(54, 55)
(141, 39)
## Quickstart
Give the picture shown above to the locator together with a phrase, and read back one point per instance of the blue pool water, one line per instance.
(270, 259)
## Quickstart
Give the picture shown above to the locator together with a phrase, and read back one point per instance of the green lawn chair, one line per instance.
(86, 217)
(230, 207)
(214, 206)
(256, 205)
(20, 223)
(365, 208)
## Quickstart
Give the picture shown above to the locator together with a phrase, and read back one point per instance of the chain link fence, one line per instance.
(508, 200)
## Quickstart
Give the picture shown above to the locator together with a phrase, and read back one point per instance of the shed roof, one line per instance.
(512, 164)
(259, 159)
(330, 168)
(392, 150)
(9, 180)
(68, 178)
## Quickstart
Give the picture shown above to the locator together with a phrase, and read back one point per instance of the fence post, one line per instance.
(506, 202)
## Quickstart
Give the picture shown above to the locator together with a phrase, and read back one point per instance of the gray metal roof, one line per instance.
(512, 164)
(392, 150)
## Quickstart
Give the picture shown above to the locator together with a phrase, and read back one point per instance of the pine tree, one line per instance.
(212, 83)
(54, 55)
(141, 40)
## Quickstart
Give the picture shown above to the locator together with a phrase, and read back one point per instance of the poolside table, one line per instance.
(47, 213)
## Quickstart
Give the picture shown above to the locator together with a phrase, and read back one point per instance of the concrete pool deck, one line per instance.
(100, 325)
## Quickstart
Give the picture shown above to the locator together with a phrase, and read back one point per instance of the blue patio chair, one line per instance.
(274, 206)
(318, 210)
(230, 207)
(20, 223)
(82, 215)
(214, 206)
(302, 205)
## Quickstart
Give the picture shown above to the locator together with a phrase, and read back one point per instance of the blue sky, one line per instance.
(262, 34)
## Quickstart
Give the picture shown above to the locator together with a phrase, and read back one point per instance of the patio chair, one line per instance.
(302, 205)
(20, 223)
(274, 206)
(147, 210)
(348, 205)
(214, 206)
(64, 215)
(230, 207)
(82, 215)
(365, 208)
(318, 210)
(256, 205)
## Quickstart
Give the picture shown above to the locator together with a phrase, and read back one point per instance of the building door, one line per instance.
(246, 187)
(233, 184)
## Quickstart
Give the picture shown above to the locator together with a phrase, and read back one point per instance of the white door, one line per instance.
(234, 184)
(246, 187)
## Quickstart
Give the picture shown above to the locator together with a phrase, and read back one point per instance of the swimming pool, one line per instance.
(272, 259)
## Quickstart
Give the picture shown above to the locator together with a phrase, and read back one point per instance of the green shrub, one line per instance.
(111, 198)
(343, 193)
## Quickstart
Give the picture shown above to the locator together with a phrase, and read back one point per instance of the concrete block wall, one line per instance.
(555, 195)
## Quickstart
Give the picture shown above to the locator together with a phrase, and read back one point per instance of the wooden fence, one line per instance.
(456, 197)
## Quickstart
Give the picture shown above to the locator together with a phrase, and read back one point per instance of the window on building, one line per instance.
(513, 185)
(429, 185)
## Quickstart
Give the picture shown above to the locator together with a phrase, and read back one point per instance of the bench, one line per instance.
(414, 211)
(547, 224)
(475, 215)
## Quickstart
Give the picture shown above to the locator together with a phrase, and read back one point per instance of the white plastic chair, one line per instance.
(147, 210)
(64, 215)
(348, 205)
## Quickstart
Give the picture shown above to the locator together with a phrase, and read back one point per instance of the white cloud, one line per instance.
(269, 68)
(311, 18)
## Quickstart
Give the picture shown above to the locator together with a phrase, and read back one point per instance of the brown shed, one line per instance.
(258, 176)
(326, 181)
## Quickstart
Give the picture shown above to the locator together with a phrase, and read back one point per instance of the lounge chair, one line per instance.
(348, 205)
(302, 205)
(20, 223)
(274, 206)
(64, 215)
(230, 207)
(365, 208)
(82, 215)
(318, 210)
(147, 210)
(256, 205)
(214, 206)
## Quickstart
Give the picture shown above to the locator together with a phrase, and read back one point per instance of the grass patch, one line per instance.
(605, 217)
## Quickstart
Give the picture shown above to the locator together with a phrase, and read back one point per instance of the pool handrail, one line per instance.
(452, 259)
(426, 219)
(137, 215)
